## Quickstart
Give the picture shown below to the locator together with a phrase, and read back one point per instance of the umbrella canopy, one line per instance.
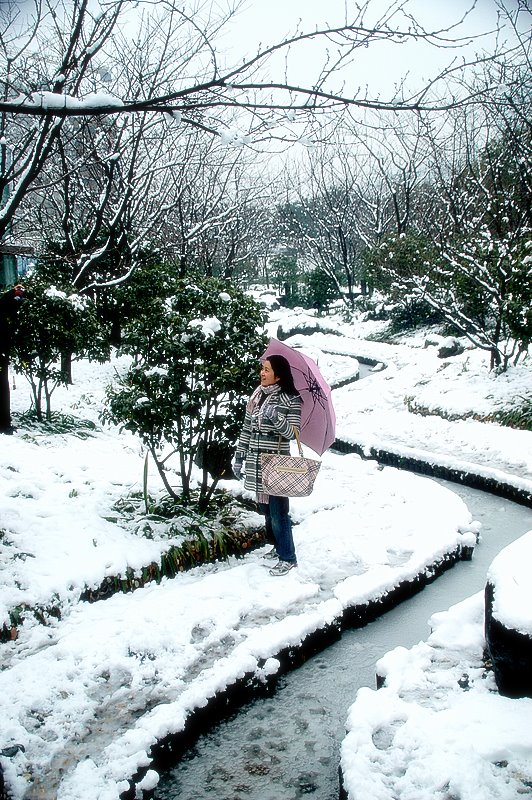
(318, 420)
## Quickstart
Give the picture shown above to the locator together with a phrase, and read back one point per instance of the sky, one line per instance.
(380, 65)
(101, 683)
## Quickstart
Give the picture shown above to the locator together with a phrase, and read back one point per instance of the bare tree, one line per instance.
(321, 219)
(476, 271)
(484, 285)
(35, 64)
(208, 202)
(63, 60)
(395, 170)
(359, 187)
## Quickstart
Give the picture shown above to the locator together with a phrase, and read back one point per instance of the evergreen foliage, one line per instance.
(320, 290)
(56, 322)
(392, 269)
(195, 347)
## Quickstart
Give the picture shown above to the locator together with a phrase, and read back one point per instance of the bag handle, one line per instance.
(299, 447)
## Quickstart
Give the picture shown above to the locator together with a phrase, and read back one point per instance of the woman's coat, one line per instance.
(260, 435)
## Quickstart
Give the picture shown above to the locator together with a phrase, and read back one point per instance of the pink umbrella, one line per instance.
(318, 420)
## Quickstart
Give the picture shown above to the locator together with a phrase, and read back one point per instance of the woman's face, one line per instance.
(267, 375)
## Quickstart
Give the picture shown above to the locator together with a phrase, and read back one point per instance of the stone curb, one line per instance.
(475, 481)
(167, 752)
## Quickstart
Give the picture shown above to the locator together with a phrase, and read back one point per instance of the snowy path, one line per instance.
(438, 726)
(89, 678)
(375, 412)
(109, 679)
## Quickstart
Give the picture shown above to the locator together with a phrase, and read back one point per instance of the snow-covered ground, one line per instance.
(438, 726)
(87, 695)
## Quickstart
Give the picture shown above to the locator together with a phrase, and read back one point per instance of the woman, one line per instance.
(272, 413)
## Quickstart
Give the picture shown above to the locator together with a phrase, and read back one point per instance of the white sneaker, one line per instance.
(282, 568)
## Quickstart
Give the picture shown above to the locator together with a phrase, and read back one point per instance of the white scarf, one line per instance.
(261, 390)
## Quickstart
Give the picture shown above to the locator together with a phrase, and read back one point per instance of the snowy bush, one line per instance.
(54, 326)
(194, 361)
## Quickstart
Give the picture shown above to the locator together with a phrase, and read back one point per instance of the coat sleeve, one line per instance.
(243, 441)
(289, 420)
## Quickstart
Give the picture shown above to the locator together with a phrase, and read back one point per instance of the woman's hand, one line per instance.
(238, 466)
(271, 414)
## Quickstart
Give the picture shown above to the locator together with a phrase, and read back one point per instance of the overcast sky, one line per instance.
(381, 65)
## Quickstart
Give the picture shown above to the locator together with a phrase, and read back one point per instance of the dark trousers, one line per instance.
(279, 526)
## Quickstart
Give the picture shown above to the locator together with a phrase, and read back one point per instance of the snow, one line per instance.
(208, 326)
(233, 137)
(438, 727)
(510, 575)
(54, 100)
(106, 680)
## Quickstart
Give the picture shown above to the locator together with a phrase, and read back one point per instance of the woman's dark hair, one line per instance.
(281, 370)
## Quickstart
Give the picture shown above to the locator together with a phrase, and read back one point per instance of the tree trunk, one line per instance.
(66, 367)
(9, 308)
(162, 473)
(495, 359)
(5, 396)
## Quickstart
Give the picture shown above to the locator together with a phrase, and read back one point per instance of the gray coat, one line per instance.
(262, 436)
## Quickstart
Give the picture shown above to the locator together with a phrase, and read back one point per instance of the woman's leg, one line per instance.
(264, 509)
(282, 528)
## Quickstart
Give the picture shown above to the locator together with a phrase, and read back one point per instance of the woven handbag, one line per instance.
(288, 476)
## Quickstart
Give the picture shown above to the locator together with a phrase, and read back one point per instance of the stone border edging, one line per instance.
(510, 651)
(167, 752)
(475, 481)
(174, 560)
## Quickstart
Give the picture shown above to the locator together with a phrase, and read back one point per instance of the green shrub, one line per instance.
(55, 326)
(519, 416)
(195, 360)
